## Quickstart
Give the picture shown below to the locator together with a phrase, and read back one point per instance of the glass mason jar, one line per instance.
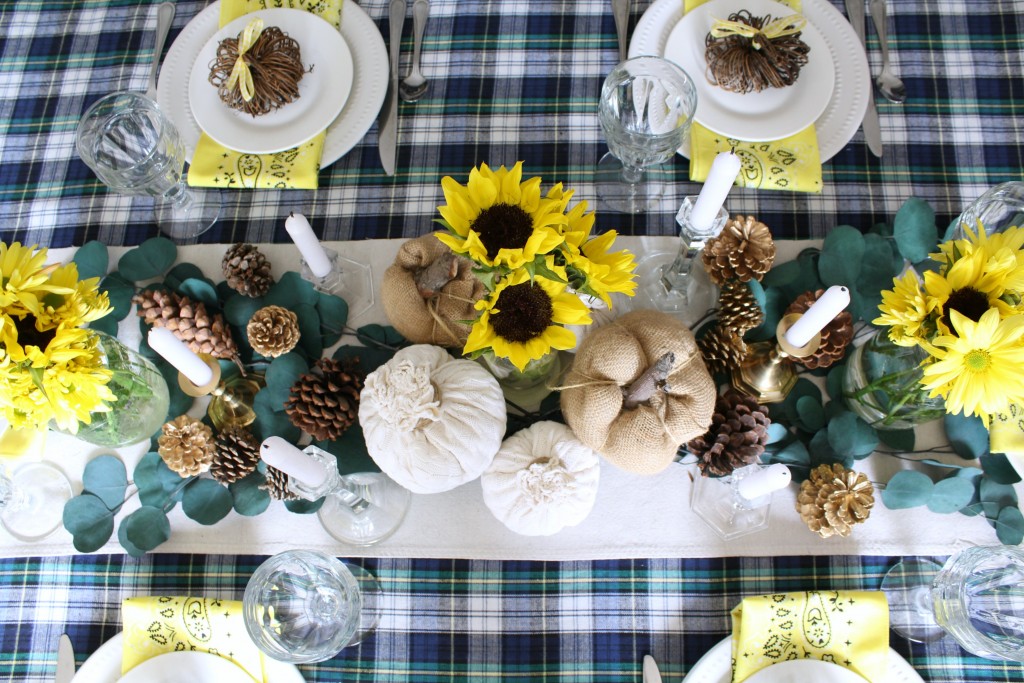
(142, 399)
(882, 385)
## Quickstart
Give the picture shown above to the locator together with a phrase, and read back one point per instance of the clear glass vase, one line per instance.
(526, 387)
(882, 385)
(142, 399)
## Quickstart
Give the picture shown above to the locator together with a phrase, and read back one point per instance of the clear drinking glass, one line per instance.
(134, 149)
(32, 500)
(646, 108)
(999, 208)
(303, 606)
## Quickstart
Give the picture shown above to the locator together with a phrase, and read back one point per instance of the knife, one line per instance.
(872, 129)
(387, 136)
(620, 12)
(651, 672)
(65, 661)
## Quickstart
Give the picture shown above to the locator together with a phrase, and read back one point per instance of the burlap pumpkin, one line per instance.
(644, 439)
(435, 320)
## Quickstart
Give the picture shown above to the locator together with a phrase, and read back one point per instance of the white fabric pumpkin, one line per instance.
(431, 422)
(542, 480)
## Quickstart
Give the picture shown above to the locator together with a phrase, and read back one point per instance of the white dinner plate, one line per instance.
(186, 667)
(841, 118)
(773, 113)
(804, 671)
(716, 667)
(323, 89)
(104, 666)
(369, 80)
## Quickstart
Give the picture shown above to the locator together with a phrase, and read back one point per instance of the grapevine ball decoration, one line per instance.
(259, 71)
(750, 54)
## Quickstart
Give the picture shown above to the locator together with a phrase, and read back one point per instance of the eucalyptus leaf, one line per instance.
(907, 489)
(950, 494)
(92, 260)
(849, 435)
(967, 435)
(304, 507)
(350, 450)
(834, 381)
(901, 440)
(782, 274)
(180, 402)
(995, 496)
(776, 432)
(281, 375)
(206, 501)
(290, 290)
(914, 230)
(150, 259)
(247, 497)
(107, 324)
(147, 527)
(366, 359)
(1010, 526)
(120, 293)
(841, 256)
(380, 336)
(271, 420)
(807, 279)
(200, 289)
(794, 453)
(106, 478)
(773, 307)
(998, 468)
(822, 452)
(810, 414)
(309, 330)
(125, 543)
(181, 272)
(158, 484)
(89, 522)
(333, 312)
(757, 290)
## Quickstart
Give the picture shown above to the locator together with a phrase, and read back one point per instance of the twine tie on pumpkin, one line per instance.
(778, 28)
(240, 73)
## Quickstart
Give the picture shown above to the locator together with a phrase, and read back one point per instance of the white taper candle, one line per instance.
(309, 246)
(821, 313)
(721, 177)
(278, 453)
(765, 481)
(184, 360)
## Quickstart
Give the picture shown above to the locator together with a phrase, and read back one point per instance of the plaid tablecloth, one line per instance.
(510, 81)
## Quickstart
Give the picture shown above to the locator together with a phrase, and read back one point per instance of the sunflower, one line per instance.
(498, 219)
(25, 278)
(979, 370)
(968, 287)
(523, 319)
(907, 311)
(83, 303)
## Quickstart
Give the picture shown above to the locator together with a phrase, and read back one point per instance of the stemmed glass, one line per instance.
(977, 597)
(134, 149)
(998, 208)
(32, 500)
(647, 105)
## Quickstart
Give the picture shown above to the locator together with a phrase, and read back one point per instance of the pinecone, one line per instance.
(273, 330)
(186, 445)
(247, 270)
(237, 453)
(188, 320)
(743, 251)
(833, 499)
(277, 485)
(722, 349)
(324, 404)
(737, 436)
(836, 336)
(738, 310)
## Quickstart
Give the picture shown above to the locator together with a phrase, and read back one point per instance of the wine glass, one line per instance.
(998, 208)
(977, 597)
(134, 149)
(32, 500)
(304, 606)
(647, 105)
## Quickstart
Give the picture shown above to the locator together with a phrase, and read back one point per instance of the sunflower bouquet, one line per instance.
(536, 257)
(968, 316)
(51, 367)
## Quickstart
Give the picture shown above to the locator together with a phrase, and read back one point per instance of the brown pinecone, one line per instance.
(743, 251)
(737, 436)
(186, 445)
(189, 321)
(836, 336)
(236, 454)
(277, 485)
(722, 349)
(833, 499)
(324, 404)
(273, 330)
(738, 310)
(247, 270)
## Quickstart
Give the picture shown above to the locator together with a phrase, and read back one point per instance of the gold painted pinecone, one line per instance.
(186, 445)
(324, 403)
(833, 499)
(737, 436)
(189, 321)
(738, 310)
(743, 251)
(272, 331)
(836, 336)
(236, 455)
(722, 349)
(276, 485)
(247, 270)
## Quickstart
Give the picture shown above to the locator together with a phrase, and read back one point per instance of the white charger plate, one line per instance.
(804, 670)
(323, 89)
(716, 667)
(190, 667)
(841, 118)
(104, 666)
(369, 80)
(773, 113)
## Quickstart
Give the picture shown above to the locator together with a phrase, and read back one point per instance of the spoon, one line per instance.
(414, 86)
(164, 17)
(888, 83)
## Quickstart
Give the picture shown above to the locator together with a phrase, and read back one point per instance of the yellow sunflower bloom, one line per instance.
(906, 310)
(965, 287)
(25, 278)
(83, 302)
(979, 370)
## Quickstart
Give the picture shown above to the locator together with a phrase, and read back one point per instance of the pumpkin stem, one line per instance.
(440, 272)
(653, 378)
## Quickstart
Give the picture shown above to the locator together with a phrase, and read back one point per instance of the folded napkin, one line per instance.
(1006, 435)
(158, 625)
(849, 628)
(792, 163)
(214, 165)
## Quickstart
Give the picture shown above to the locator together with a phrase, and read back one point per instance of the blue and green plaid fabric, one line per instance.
(460, 620)
(510, 81)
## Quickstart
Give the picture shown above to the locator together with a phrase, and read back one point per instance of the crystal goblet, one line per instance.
(998, 208)
(32, 500)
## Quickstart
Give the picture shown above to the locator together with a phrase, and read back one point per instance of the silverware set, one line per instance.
(889, 86)
(409, 89)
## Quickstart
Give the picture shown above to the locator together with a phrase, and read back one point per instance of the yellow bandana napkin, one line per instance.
(1006, 435)
(157, 625)
(849, 628)
(214, 165)
(792, 163)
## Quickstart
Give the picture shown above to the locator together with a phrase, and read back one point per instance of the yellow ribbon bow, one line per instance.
(240, 72)
(777, 28)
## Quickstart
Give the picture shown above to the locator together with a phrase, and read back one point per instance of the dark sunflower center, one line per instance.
(28, 335)
(524, 312)
(503, 226)
(968, 302)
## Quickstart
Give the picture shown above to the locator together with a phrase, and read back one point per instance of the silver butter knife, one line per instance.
(65, 661)
(651, 672)
(620, 12)
(872, 129)
(387, 137)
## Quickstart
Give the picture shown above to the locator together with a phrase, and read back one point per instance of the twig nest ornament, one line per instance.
(542, 480)
(599, 399)
(432, 422)
(429, 291)
(259, 70)
(749, 54)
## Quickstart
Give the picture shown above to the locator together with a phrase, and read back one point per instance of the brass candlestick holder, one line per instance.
(231, 402)
(767, 373)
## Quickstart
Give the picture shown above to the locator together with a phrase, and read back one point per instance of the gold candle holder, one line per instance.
(232, 402)
(194, 390)
(768, 373)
